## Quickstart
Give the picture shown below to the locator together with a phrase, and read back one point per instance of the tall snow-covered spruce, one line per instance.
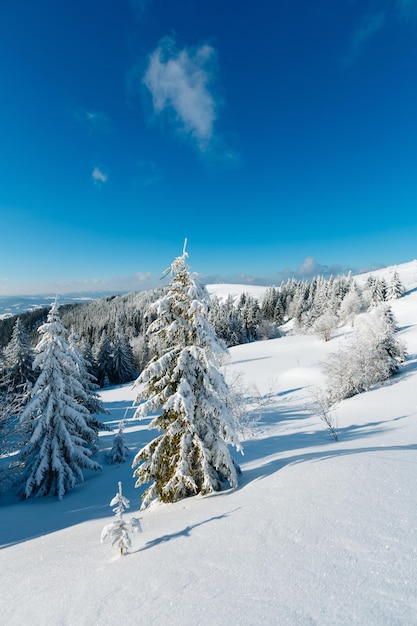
(184, 384)
(18, 371)
(60, 441)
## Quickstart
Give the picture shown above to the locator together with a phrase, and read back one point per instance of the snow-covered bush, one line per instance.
(325, 325)
(372, 355)
(351, 305)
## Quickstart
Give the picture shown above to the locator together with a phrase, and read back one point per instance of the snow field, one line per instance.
(318, 532)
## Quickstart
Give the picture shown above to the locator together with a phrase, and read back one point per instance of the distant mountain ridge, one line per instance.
(14, 305)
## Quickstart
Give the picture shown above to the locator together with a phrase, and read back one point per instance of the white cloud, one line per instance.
(117, 284)
(179, 82)
(308, 267)
(369, 26)
(99, 176)
(149, 175)
(139, 281)
(96, 121)
(139, 6)
(374, 22)
(407, 9)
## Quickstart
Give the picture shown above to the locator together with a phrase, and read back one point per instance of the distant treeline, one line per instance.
(104, 325)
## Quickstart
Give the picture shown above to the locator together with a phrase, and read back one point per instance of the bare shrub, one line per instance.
(326, 413)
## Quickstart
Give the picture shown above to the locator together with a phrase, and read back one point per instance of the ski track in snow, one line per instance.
(318, 532)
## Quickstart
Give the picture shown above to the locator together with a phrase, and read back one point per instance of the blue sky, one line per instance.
(278, 137)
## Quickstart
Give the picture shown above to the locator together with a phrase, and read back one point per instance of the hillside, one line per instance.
(318, 532)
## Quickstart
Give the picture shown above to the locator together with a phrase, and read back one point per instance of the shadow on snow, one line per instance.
(186, 532)
(276, 465)
(21, 521)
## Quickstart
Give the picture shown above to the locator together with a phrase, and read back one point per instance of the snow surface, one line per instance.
(222, 291)
(318, 532)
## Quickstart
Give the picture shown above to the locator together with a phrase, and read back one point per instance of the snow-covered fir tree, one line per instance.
(119, 450)
(395, 288)
(18, 360)
(184, 382)
(226, 321)
(273, 305)
(375, 290)
(3, 420)
(88, 393)
(123, 362)
(16, 380)
(104, 359)
(119, 530)
(58, 448)
(351, 304)
(251, 315)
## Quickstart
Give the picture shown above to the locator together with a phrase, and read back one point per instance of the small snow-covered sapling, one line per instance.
(119, 451)
(119, 529)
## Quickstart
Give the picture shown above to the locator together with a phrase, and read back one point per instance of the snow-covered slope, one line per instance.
(319, 532)
(224, 290)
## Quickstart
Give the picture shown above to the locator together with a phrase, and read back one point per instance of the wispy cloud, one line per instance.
(117, 284)
(96, 121)
(233, 279)
(140, 281)
(370, 24)
(98, 176)
(139, 6)
(407, 9)
(149, 176)
(180, 82)
(373, 22)
(310, 268)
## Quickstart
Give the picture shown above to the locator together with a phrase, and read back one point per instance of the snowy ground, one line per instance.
(318, 532)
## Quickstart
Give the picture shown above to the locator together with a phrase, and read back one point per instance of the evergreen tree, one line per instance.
(119, 450)
(351, 304)
(87, 394)
(299, 304)
(383, 328)
(377, 290)
(269, 303)
(235, 334)
(396, 288)
(119, 529)
(123, 364)
(104, 358)
(4, 415)
(18, 357)
(251, 317)
(226, 321)
(87, 352)
(279, 311)
(381, 290)
(59, 444)
(183, 380)
(16, 381)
